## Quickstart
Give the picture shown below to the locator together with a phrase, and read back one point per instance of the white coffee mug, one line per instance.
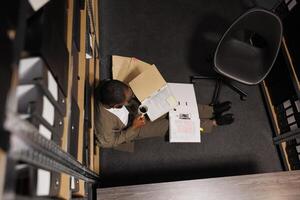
(142, 110)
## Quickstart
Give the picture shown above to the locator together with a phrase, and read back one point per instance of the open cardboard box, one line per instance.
(147, 84)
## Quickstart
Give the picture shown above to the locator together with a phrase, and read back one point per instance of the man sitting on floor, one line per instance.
(117, 121)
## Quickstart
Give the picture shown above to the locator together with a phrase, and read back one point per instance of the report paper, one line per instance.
(184, 121)
(45, 132)
(52, 86)
(184, 130)
(48, 111)
(43, 182)
(37, 4)
(160, 103)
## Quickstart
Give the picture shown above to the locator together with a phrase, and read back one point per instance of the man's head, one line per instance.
(113, 93)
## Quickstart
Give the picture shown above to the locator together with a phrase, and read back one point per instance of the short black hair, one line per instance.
(111, 92)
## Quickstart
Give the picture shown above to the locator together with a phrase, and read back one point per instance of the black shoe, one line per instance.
(221, 107)
(224, 119)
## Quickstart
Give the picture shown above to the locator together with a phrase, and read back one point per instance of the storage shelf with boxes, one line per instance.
(49, 144)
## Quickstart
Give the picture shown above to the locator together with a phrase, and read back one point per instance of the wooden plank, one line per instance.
(80, 94)
(96, 149)
(81, 191)
(91, 131)
(2, 171)
(97, 160)
(64, 191)
(68, 99)
(283, 146)
(81, 75)
(97, 71)
(278, 185)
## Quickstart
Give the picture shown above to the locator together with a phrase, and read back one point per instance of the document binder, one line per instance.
(45, 36)
(35, 107)
(73, 129)
(34, 181)
(33, 70)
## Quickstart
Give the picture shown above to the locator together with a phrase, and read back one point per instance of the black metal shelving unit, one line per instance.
(281, 89)
(21, 142)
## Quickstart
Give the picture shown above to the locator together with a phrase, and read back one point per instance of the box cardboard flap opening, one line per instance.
(146, 83)
(119, 63)
(126, 69)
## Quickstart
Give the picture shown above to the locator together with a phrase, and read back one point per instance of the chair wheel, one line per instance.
(243, 98)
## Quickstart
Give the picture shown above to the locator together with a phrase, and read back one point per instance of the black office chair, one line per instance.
(246, 52)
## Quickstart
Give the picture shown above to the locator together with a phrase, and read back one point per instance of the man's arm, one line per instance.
(112, 137)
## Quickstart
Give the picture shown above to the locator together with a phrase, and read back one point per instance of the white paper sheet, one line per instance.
(298, 148)
(25, 65)
(184, 119)
(48, 111)
(291, 119)
(297, 103)
(23, 89)
(72, 183)
(45, 132)
(293, 127)
(52, 86)
(287, 103)
(43, 182)
(37, 4)
(160, 103)
(121, 113)
(289, 111)
(184, 130)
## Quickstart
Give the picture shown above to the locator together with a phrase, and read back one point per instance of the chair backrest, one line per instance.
(248, 49)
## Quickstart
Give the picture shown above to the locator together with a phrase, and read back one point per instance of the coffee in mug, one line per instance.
(143, 109)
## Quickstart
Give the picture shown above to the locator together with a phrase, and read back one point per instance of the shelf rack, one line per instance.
(26, 144)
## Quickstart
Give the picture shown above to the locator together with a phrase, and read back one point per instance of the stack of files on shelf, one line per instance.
(288, 115)
(293, 152)
(33, 70)
(46, 37)
(35, 107)
(32, 181)
(40, 100)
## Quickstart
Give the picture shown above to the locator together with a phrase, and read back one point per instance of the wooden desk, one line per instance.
(270, 186)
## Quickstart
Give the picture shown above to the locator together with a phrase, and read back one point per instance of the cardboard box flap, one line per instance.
(126, 69)
(135, 68)
(146, 83)
(120, 63)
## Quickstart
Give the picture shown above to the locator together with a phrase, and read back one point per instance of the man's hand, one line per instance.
(138, 122)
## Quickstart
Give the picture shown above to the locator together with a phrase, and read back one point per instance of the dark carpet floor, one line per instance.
(179, 37)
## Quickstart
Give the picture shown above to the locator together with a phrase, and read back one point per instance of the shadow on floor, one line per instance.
(209, 171)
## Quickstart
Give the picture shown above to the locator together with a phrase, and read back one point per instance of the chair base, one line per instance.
(219, 82)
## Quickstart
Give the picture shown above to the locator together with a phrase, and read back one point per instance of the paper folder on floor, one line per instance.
(147, 84)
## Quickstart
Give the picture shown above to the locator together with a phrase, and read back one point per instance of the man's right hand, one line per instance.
(138, 122)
